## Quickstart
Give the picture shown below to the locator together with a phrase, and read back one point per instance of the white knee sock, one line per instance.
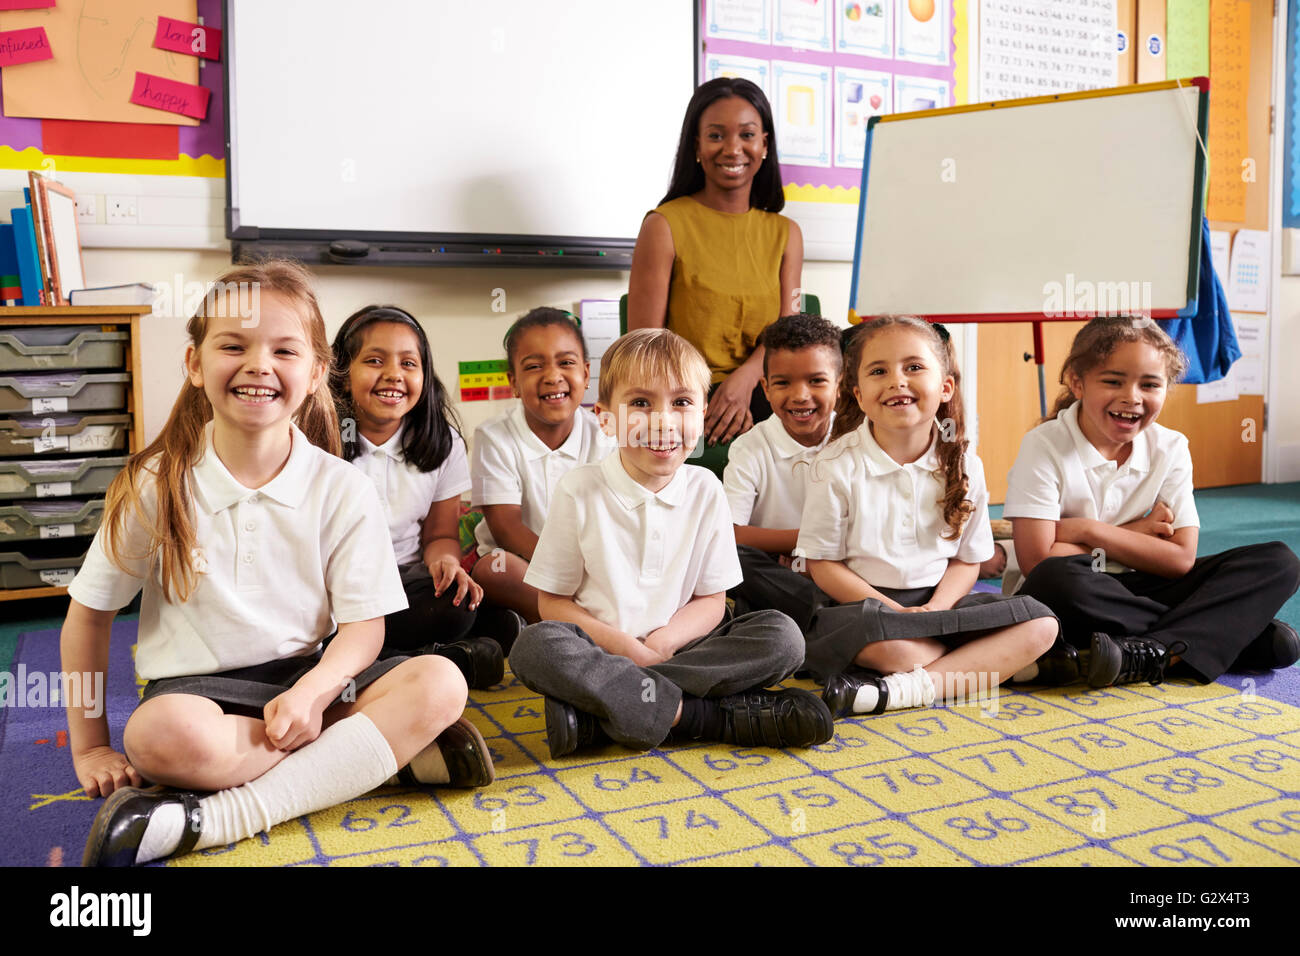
(348, 759)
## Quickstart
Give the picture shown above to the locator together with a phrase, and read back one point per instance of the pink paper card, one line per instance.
(190, 38)
(24, 46)
(164, 94)
(25, 4)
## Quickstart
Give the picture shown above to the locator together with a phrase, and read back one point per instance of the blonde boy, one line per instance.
(632, 569)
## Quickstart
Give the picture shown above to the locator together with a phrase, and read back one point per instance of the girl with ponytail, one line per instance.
(894, 527)
(266, 574)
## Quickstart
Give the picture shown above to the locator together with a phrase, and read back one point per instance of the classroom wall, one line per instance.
(454, 304)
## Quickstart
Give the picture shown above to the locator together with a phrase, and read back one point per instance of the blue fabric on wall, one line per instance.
(1207, 338)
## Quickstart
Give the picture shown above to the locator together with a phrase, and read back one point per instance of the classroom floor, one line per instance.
(1172, 775)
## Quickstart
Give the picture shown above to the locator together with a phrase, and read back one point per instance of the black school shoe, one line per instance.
(1277, 646)
(776, 718)
(466, 754)
(842, 689)
(569, 729)
(120, 824)
(1127, 660)
(1059, 665)
(478, 658)
(500, 624)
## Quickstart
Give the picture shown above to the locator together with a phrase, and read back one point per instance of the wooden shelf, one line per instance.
(125, 316)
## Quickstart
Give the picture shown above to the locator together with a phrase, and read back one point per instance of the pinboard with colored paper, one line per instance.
(1011, 211)
(71, 115)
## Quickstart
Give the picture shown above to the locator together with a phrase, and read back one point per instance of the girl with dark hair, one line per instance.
(715, 262)
(894, 526)
(399, 428)
(1099, 487)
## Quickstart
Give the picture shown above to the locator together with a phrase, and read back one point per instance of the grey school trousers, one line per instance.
(636, 705)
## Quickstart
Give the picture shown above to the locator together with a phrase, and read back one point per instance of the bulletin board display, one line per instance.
(828, 66)
(78, 114)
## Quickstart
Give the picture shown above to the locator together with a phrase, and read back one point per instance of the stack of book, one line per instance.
(40, 260)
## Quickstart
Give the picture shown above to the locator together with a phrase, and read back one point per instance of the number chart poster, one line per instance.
(828, 66)
(162, 147)
(1141, 775)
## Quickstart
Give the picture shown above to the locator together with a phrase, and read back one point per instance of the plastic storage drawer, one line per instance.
(41, 392)
(57, 477)
(41, 564)
(36, 347)
(50, 518)
(59, 434)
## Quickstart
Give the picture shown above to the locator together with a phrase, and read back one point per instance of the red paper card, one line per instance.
(24, 46)
(115, 140)
(190, 38)
(164, 94)
(25, 4)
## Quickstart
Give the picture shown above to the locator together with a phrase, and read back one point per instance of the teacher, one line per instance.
(715, 262)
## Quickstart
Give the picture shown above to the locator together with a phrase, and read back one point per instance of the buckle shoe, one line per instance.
(121, 822)
(1059, 664)
(842, 689)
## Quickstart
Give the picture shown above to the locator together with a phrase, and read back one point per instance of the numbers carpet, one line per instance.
(1169, 775)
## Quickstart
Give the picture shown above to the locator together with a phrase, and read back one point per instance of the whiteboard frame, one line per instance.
(384, 247)
(1197, 200)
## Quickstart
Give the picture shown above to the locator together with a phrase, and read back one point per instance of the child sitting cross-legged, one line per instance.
(632, 569)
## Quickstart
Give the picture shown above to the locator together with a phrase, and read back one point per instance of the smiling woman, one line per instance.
(715, 262)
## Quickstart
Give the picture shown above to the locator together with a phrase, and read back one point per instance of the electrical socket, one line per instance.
(120, 210)
(87, 207)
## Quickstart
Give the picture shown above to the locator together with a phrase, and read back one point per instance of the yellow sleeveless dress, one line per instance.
(726, 284)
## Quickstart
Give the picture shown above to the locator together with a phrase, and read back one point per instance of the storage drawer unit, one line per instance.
(70, 404)
(57, 477)
(68, 391)
(42, 347)
(49, 519)
(27, 435)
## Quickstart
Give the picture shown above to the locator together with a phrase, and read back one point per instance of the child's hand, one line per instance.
(101, 770)
(918, 609)
(1158, 524)
(292, 719)
(655, 642)
(644, 655)
(447, 571)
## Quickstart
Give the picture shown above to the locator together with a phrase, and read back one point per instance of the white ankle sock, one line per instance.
(348, 759)
(1026, 673)
(163, 834)
(864, 702)
(909, 689)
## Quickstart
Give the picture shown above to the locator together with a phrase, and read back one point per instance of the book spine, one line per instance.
(29, 266)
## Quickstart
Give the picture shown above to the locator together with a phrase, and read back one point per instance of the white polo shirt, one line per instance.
(278, 566)
(885, 520)
(1060, 474)
(632, 558)
(405, 492)
(512, 466)
(767, 474)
